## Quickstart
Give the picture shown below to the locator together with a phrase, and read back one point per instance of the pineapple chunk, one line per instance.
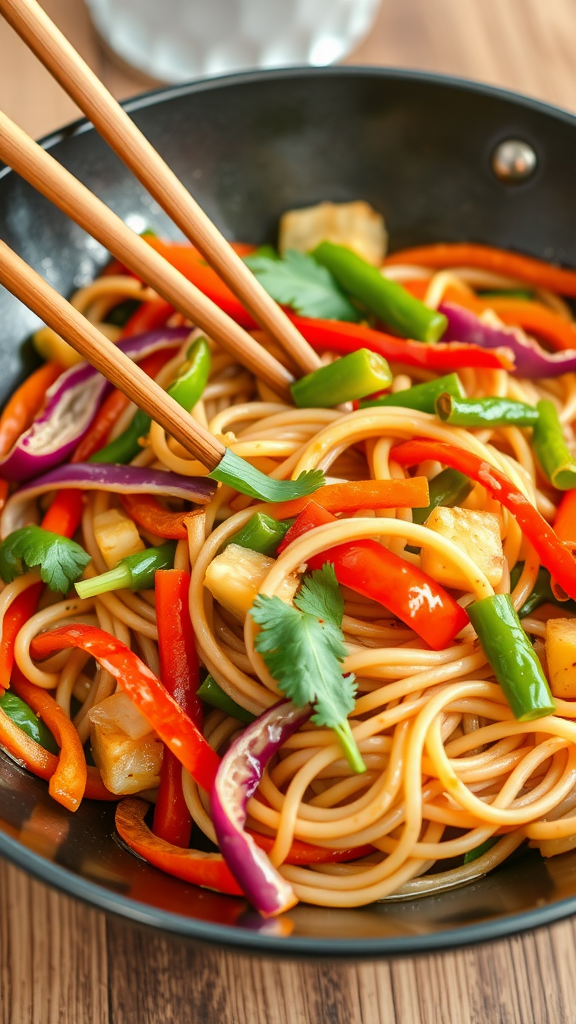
(477, 533)
(116, 536)
(119, 711)
(234, 578)
(127, 763)
(355, 225)
(561, 656)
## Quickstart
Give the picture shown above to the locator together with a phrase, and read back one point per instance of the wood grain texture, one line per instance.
(62, 962)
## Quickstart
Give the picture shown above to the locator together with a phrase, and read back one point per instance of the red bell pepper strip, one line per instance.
(65, 513)
(355, 495)
(205, 869)
(68, 782)
(370, 569)
(148, 317)
(565, 519)
(171, 723)
(98, 433)
(4, 488)
(180, 673)
(43, 763)
(27, 400)
(554, 554)
(336, 336)
(22, 608)
(62, 517)
(306, 853)
(487, 257)
(147, 511)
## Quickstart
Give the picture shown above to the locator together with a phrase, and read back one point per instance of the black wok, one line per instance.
(419, 148)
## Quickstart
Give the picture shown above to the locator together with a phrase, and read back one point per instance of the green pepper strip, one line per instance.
(186, 389)
(23, 716)
(135, 572)
(542, 592)
(512, 657)
(388, 300)
(485, 412)
(214, 695)
(261, 533)
(353, 376)
(421, 396)
(558, 464)
(448, 488)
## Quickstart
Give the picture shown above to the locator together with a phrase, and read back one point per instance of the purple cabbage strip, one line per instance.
(237, 779)
(71, 404)
(532, 360)
(95, 476)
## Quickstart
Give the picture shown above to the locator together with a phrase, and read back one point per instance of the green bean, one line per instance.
(261, 533)
(420, 396)
(484, 412)
(354, 376)
(557, 463)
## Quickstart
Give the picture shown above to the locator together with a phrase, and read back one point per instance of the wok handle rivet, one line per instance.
(513, 161)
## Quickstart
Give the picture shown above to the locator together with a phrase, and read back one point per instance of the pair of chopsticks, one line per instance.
(58, 185)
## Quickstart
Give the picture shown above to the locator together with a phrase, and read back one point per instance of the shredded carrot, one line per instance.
(147, 511)
(356, 495)
(25, 403)
(565, 520)
(102, 424)
(486, 257)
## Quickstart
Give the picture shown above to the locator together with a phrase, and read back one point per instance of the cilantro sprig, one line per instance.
(300, 282)
(61, 561)
(303, 649)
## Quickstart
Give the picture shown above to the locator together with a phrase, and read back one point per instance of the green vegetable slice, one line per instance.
(61, 561)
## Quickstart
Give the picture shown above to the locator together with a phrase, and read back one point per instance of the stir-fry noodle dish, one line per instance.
(363, 686)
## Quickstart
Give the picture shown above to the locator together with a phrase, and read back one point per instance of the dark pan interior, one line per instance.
(418, 148)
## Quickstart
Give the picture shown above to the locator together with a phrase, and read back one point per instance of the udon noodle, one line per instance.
(448, 767)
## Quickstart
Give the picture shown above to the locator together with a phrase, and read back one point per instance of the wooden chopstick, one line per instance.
(43, 37)
(126, 375)
(44, 173)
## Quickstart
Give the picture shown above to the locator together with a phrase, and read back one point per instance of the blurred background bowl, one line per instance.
(420, 149)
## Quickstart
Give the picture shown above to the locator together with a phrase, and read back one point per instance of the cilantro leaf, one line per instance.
(320, 596)
(61, 561)
(305, 654)
(299, 281)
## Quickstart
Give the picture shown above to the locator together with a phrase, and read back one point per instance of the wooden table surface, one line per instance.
(63, 963)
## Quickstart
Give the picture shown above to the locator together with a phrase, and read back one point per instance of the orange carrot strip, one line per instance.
(565, 520)
(147, 511)
(68, 782)
(486, 257)
(26, 401)
(98, 433)
(356, 495)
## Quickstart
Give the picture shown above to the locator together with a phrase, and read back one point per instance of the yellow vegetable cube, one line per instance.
(117, 536)
(477, 533)
(235, 577)
(561, 656)
(355, 225)
(126, 765)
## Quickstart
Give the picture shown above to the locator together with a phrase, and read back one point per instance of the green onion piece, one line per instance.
(23, 716)
(421, 396)
(484, 412)
(353, 376)
(508, 293)
(261, 533)
(558, 464)
(192, 378)
(349, 746)
(542, 592)
(135, 572)
(511, 657)
(478, 851)
(246, 479)
(214, 695)
(448, 488)
(387, 299)
(127, 445)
